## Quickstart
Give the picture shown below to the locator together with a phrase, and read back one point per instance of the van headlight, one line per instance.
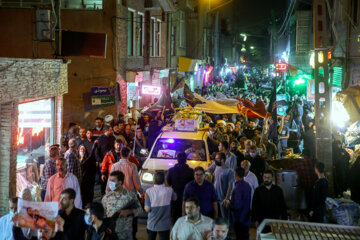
(147, 177)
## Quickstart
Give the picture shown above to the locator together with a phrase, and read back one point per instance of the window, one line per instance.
(35, 131)
(182, 29)
(169, 148)
(140, 34)
(158, 39)
(173, 41)
(152, 37)
(131, 32)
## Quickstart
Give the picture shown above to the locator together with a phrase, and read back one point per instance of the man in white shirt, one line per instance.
(193, 226)
(60, 181)
(250, 178)
(6, 224)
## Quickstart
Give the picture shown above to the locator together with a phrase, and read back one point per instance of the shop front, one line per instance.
(31, 116)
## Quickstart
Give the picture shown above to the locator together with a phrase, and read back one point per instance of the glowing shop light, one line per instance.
(150, 90)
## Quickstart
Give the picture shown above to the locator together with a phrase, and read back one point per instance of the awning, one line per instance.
(214, 107)
(186, 64)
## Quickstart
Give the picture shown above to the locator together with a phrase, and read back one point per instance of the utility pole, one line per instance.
(323, 98)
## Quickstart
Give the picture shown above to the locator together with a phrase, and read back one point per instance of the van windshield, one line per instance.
(169, 148)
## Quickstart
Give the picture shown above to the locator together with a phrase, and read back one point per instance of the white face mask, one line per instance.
(81, 154)
(112, 185)
(252, 155)
(212, 132)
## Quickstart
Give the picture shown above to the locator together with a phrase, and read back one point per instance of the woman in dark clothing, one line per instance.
(320, 192)
(88, 172)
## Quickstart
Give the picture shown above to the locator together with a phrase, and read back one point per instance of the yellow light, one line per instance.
(320, 57)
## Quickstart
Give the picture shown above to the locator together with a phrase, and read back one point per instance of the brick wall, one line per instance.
(31, 78)
(24, 80)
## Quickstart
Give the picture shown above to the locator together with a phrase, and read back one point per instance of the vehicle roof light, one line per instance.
(170, 140)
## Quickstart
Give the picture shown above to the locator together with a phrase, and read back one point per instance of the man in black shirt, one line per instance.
(74, 226)
(88, 142)
(268, 201)
(319, 195)
(105, 144)
(177, 178)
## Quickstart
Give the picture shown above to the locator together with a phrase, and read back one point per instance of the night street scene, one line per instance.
(180, 119)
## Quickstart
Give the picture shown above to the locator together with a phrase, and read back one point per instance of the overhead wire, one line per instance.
(288, 12)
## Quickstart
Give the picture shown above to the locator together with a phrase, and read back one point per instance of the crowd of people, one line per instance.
(222, 201)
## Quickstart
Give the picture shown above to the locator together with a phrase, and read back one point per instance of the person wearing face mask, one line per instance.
(257, 163)
(122, 205)
(5, 221)
(223, 181)
(99, 228)
(268, 201)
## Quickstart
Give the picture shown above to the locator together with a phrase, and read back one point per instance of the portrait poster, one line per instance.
(37, 215)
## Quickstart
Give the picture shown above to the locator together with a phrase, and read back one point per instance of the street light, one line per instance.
(252, 47)
(244, 36)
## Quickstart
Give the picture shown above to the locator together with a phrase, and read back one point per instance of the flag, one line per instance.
(164, 100)
(254, 110)
(176, 83)
(190, 97)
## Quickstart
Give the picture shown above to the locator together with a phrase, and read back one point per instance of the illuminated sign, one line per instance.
(151, 90)
(280, 66)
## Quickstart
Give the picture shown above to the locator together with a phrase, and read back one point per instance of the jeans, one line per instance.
(164, 235)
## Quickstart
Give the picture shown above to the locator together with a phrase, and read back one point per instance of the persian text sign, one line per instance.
(151, 90)
(103, 100)
(100, 91)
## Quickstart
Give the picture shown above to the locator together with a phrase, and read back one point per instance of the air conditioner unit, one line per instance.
(43, 25)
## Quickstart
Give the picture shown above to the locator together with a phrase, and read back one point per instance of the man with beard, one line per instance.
(268, 201)
(82, 137)
(60, 181)
(74, 226)
(192, 226)
(88, 142)
(99, 127)
(257, 163)
(72, 159)
(106, 143)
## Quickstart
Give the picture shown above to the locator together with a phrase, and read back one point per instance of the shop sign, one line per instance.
(280, 66)
(100, 91)
(150, 90)
(103, 100)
